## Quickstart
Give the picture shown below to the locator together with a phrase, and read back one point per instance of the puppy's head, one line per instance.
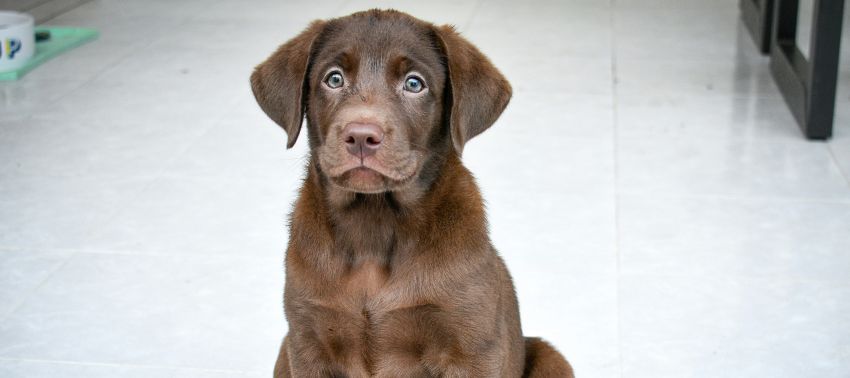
(383, 94)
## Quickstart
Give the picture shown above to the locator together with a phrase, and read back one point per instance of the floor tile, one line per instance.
(749, 327)
(554, 25)
(236, 35)
(558, 114)
(702, 237)
(162, 9)
(705, 5)
(796, 169)
(174, 65)
(244, 143)
(49, 369)
(558, 165)
(75, 147)
(22, 271)
(576, 75)
(636, 77)
(60, 212)
(86, 61)
(456, 13)
(575, 233)
(683, 34)
(298, 12)
(735, 118)
(30, 96)
(574, 312)
(184, 104)
(210, 312)
(545, 6)
(203, 216)
(125, 21)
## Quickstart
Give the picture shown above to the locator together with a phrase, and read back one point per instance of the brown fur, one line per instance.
(389, 270)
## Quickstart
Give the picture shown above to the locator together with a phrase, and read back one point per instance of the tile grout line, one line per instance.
(41, 283)
(732, 197)
(616, 154)
(111, 364)
(134, 253)
(838, 164)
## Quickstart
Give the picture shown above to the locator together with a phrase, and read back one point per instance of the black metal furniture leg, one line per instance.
(808, 85)
(758, 17)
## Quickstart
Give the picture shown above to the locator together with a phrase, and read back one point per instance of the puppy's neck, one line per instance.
(384, 230)
(374, 226)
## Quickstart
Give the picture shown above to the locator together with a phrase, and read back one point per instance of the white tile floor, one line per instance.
(663, 218)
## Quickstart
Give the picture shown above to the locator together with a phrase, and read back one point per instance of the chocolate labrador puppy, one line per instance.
(389, 269)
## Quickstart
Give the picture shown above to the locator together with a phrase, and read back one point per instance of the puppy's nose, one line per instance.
(362, 139)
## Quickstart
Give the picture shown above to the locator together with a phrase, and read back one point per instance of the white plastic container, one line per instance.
(17, 40)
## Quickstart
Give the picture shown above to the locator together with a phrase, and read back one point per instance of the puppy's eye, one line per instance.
(334, 80)
(414, 84)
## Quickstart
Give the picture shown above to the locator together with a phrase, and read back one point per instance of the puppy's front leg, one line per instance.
(300, 361)
(410, 367)
(309, 356)
(281, 367)
(439, 362)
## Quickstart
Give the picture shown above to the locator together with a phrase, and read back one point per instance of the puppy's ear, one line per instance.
(479, 91)
(279, 83)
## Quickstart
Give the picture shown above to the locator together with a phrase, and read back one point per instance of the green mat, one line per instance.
(61, 40)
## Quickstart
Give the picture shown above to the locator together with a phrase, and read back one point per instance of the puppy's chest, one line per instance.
(371, 319)
(367, 280)
(366, 293)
